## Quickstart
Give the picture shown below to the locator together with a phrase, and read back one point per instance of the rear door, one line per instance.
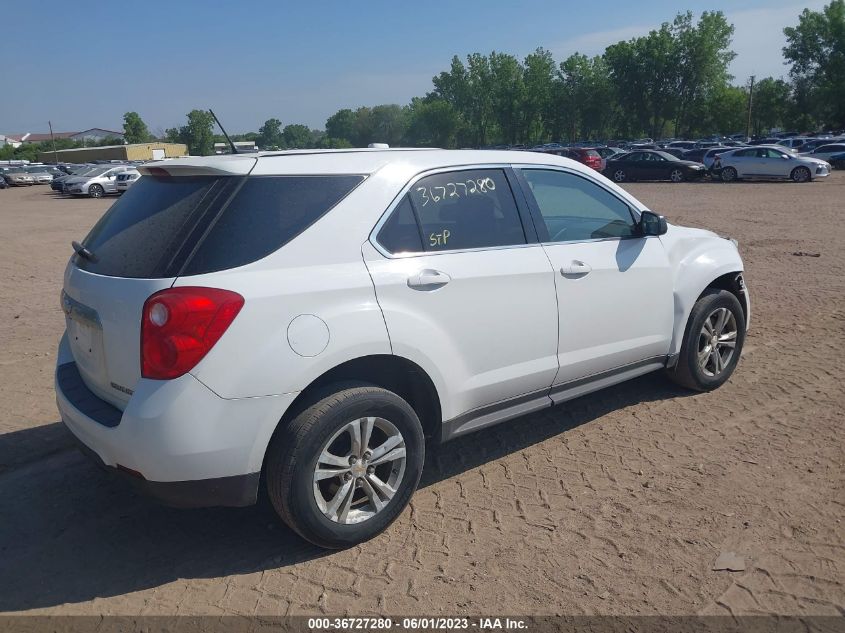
(465, 288)
(614, 287)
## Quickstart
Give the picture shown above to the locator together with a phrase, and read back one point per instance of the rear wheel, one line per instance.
(677, 175)
(729, 174)
(713, 341)
(619, 175)
(344, 469)
(800, 174)
(96, 191)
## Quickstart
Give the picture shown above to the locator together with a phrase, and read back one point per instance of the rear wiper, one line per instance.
(83, 252)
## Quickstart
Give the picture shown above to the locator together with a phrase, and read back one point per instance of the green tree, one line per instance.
(388, 123)
(270, 135)
(134, 128)
(341, 125)
(297, 136)
(432, 123)
(539, 69)
(198, 134)
(816, 50)
(770, 105)
(702, 64)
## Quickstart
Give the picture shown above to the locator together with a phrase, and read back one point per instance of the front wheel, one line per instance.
(344, 469)
(800, 174)
(677, 175)
(96, 191)
(713, 341)
(619, 175)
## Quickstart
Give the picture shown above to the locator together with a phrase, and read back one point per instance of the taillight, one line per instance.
(180, 325)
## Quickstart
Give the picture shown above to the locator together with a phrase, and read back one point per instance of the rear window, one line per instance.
(167, 227)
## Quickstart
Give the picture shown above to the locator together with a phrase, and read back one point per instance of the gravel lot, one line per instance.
(618, 502)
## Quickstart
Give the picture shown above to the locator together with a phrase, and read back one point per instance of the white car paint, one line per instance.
(507, 325)
(780, 164)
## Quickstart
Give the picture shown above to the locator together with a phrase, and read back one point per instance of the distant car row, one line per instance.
(762, 162)
(93, 180)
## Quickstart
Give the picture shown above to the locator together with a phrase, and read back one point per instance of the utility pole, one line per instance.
(750, 103)
(53, 138)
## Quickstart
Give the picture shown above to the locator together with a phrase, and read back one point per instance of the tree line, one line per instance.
(673, 81)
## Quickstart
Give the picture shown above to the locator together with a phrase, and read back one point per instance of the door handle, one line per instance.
(575, 267)
(428, 279)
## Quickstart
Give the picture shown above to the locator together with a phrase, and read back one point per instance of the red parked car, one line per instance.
(587, 155)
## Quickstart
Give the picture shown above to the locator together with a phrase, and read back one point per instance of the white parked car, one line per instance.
(304, 320)
(768, 162)
(826, 152)
(96, 183)
(127, 179)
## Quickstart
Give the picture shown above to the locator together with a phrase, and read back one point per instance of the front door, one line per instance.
(464, 293)
(614, 287)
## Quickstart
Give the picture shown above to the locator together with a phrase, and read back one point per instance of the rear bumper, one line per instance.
(176, 440)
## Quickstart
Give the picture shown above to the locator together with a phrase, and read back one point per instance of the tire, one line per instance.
(801, 174)
(690, 372)
(323, 430)
(677, 175)
(729, 174)
(96, 191)
(619, 175)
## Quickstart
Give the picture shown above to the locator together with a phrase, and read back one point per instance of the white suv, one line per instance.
(304, 320)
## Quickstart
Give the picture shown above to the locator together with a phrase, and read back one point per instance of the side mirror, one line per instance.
(652, 224)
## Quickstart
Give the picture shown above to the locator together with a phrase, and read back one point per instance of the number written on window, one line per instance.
(452, 190)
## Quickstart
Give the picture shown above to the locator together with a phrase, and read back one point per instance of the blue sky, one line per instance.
(85, 63)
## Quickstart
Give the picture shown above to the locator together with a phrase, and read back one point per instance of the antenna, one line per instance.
(231, 144)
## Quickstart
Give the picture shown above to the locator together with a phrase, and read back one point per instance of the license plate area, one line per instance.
(85, 335)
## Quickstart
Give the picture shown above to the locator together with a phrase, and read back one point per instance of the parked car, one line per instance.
(608, 152)
(825, 152)
(307, 332)
(682, 145)
(768, 162)
(837, 161)
(585, 155)
(3, 184)
(711, 154)
(652, 165)
(95, 183)
(41, 174)
(127, 179)
(18, 177)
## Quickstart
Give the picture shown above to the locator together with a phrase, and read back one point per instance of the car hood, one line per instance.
(688, 163)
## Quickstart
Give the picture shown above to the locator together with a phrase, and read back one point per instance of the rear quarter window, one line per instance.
(264, 215)
(172, 226)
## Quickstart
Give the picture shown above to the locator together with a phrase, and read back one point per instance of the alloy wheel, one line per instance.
(801, 174)
(359, 470)
(677, 175)
(717, 341)
(619, 175)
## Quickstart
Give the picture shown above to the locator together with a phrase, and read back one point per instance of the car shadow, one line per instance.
(70, 534)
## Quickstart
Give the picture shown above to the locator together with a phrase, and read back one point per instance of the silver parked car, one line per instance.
(18, 177)
(127, 179)
(40, 174)
(826, 152)
(768, 162)
(95, 183)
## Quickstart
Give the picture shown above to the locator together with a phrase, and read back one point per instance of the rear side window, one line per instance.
(166, 227)
(265, 214)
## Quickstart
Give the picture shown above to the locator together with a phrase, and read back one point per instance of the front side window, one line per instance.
(573, 208)
(454, 211)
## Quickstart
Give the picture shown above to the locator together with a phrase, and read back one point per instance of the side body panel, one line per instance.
(696, 258)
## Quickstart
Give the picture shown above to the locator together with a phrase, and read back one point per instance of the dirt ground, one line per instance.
(616, 503)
